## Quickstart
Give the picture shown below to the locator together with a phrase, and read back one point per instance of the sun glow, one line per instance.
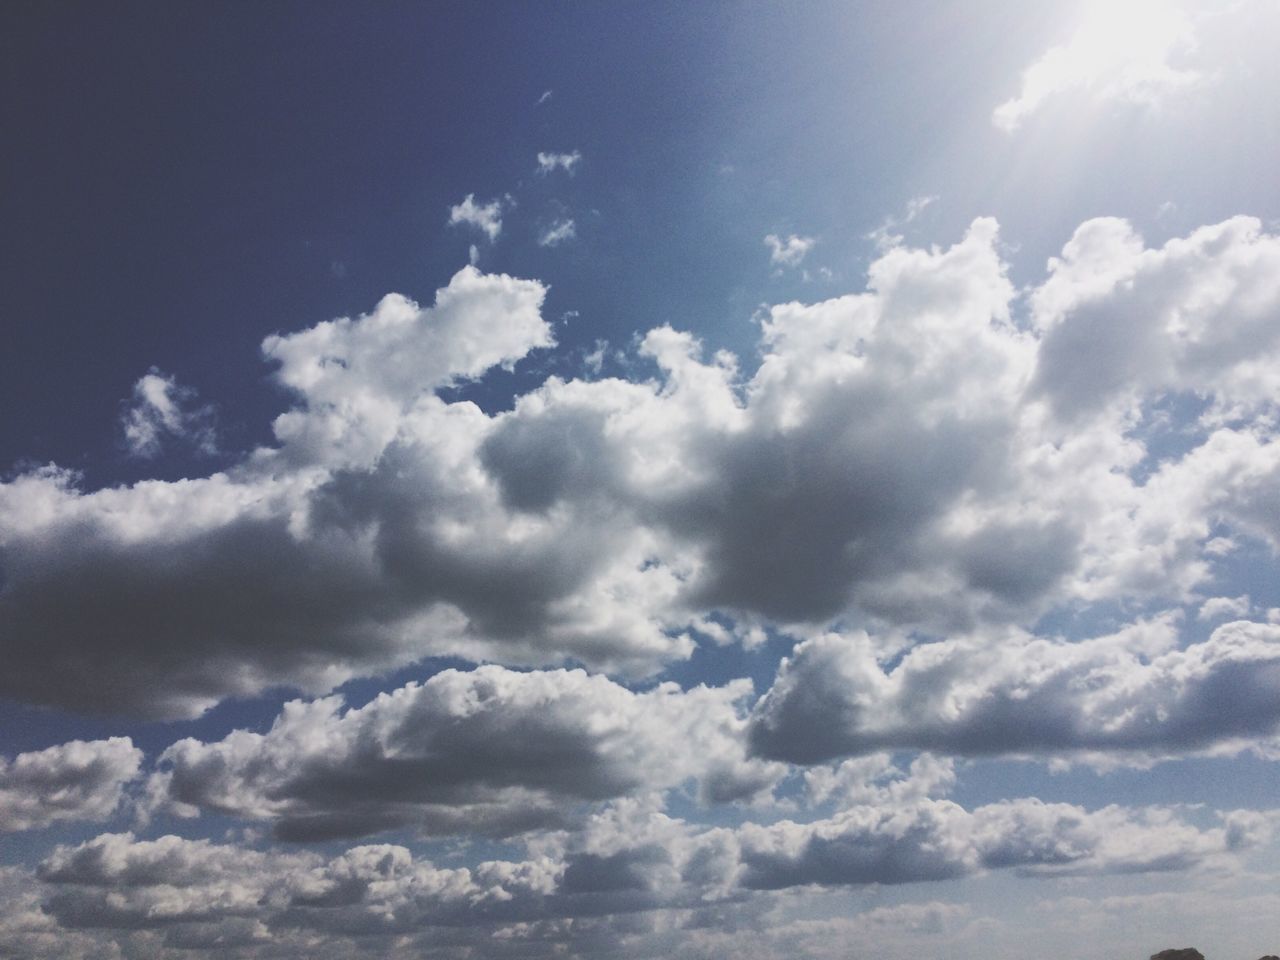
(1118, 51)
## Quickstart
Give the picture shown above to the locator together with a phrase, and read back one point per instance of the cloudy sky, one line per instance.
(640, 480)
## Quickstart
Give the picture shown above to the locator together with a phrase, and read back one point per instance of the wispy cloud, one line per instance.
(162, 409)
(551, 162)
(558, 233)
(788, 251)
(485, 217)
(886, 236)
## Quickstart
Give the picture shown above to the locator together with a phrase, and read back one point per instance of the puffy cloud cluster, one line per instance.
(359, 379)
(28, 931)
(485, 751)
(1120, 322)
(876, 780)
(116, 880)
(629, 859)
(1135, 691)
(915, 457)
(362, 541)
(74, 781)
(907, 483)
(939, 840)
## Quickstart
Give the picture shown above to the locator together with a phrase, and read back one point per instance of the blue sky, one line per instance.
(639, 479)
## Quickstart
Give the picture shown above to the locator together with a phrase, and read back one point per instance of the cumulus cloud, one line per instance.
(789, 505)
(627, 860)
(558, 233)
(909, 457)
(1128, 53)
(199, 589)
(551, 162)
(489, 750)
(201, 894)
(27, 931)
(938, 840)
(117, 881)
(78, 780)
(1197, 315)
(162, 409)
(788, 251)
(1218, 608)
(1134, 691)
(875, 780)
(485, 217)
(358, 379)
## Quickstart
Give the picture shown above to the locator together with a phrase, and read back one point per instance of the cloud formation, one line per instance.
(912, 457)
(917, 617)
(1196, 316)
(788, 251)
(629, 860)
(485, 217)
(78, 780)
(939, 840)
(161, 409)
(200, 589)
(489, 750)
(1135, 691)
(558, 233)
(885, 236)
(551, 162)
(1127, 53)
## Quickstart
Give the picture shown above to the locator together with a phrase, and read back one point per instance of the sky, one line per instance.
(719, 480)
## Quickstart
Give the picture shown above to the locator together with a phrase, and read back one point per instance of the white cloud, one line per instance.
(74, 781)
(1124, 52)
(628, 861)
(1196, 315)
(195, 890)
(875, 780)
(485, 217)
(593, 361)
(357, 379)
(907, 456)
(939, 840)
(27, 931)
(224, 558)
(162, 409)
(1134, 692)
(788, 251)
(558, 233)
(885, 236)
(1216, 608)
(116, 880)
(551, 162)
(490, 750)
